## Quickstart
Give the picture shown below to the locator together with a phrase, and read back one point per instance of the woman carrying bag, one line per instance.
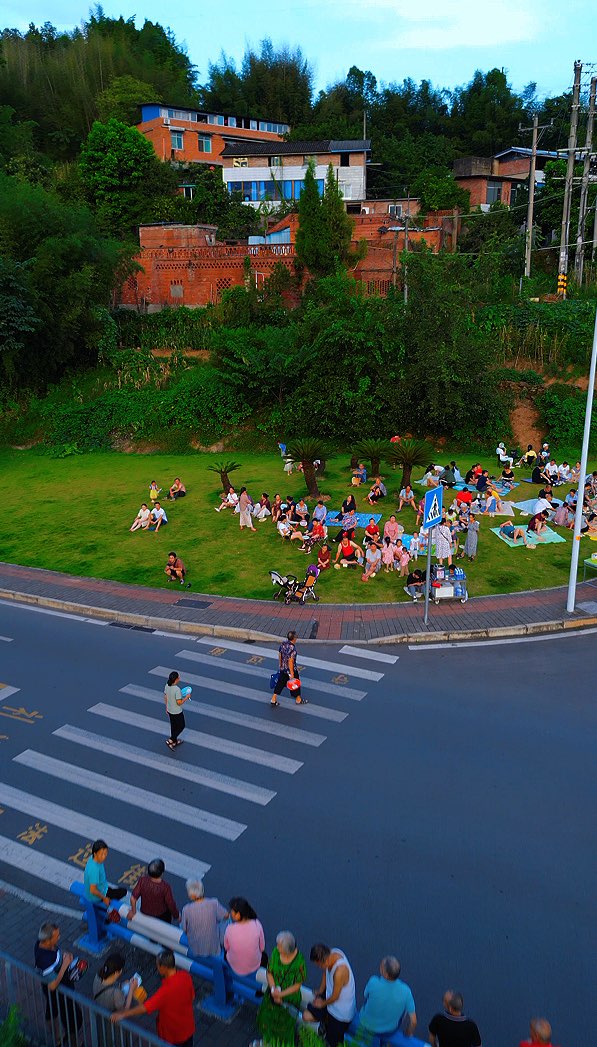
(174, 699)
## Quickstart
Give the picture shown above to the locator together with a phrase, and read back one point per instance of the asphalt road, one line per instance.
(444, 812)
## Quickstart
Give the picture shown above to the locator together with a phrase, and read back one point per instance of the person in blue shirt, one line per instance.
(389, 1003)
(95, 881)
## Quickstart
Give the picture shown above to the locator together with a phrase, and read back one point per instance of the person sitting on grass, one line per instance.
(539, 476)
(507, 477)
(301, 513)
(415, 584)
(371, 533)
(575, 474)
(407, 497)
(537, 525)
(319, 513)
(263, 509)
(359, 475)
(483, 481)
(377, 492)
(318, 533)
(142, 519)
(349, 553)
(158, 517)
(564, 473)
(392, 529)
(349, 525)
(447, 477)
(349, 503)
(229, 501)
(175, 569)
(324, 557)
(276, 508)
(178, 489)
(372, 562)
(513, 533)
(551, 470)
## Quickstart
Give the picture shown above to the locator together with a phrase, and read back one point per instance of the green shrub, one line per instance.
(563, 415)
(10, 1030)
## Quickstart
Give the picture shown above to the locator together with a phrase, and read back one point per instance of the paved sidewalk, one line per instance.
(20, 920)
(177, 610)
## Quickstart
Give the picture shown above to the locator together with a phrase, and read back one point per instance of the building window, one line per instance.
(176, 290)
(240, 161)
(179, 114)
(204, 144)
(253, 125)
(307, 160)
(344, 159)
(176, 140)
(188, 191)
(231, 121)
(395, 210)
(279, 129)
(212, 118)
(275, 161)
(494, 192)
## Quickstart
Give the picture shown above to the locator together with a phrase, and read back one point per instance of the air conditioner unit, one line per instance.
(166, 121)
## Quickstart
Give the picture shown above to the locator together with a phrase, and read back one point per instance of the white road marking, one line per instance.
(187, 771)
(206, 741)
(174, 636)
(6, 692)
(487, 643)
(40, 903)
(254, 670)
(266, 652)
(38, 864)
(92, 829)
(235, 690)
(365, 652)
(253, 723)
(6, 639)
(163, 806)
(54, 614)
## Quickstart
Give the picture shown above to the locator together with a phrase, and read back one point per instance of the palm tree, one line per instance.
(222, 469)
(372, 450)
(408, 454)
(306, 450)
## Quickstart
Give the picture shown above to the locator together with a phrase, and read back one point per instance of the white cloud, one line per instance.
(440, 25)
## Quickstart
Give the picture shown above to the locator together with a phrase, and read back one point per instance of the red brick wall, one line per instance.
(159, 136)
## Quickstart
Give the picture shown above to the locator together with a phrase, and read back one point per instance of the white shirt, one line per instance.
(345, 1006)
(564, 472)
(158, 514)
(284, 528)
(232, 497)
(143, 515)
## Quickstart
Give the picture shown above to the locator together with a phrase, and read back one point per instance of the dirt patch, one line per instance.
(126, 446)
(212, 449)
(188, 354)
(524, 420)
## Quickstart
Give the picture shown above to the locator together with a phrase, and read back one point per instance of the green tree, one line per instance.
(337, 225)
(307, 450)
(122, 176)
(323, 239)
(18, 318)
(122, 98)
(437, 190)
(276, 83)
(409, 454)
(310, 250)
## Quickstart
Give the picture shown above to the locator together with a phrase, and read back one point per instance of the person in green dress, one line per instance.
(286, 973)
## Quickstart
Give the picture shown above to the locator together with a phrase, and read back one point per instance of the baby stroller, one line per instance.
(294, 591)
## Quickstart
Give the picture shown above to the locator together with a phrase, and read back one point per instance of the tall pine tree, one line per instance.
(337, 224)
(309, 236)
(324, 234)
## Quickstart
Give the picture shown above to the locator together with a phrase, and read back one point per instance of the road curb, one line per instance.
(169, 625)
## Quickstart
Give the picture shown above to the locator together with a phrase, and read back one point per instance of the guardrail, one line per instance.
(144, 932)
(82, 1021)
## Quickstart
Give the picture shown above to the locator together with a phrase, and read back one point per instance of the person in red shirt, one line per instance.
(173, 1003)
(540, 1034)
(372, 533)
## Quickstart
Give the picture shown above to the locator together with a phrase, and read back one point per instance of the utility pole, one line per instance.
(565, 231)
(531, 203)
(579, 256)
(405, 275)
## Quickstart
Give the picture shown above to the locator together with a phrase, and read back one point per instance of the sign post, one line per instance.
(432, 515)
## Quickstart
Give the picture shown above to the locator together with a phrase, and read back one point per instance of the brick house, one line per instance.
(195, 136)
(489, 179)
(269, 171)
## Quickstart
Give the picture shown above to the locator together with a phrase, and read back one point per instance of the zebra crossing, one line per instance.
(106, 775)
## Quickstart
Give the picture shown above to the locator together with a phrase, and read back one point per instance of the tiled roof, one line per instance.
(294, 148)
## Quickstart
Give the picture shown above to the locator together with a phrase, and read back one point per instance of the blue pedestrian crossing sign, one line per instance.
(434, 501)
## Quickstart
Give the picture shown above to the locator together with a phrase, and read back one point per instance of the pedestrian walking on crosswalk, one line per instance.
(174, 700)
(288, 673)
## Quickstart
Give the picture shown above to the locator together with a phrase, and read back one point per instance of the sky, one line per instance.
(444, 41)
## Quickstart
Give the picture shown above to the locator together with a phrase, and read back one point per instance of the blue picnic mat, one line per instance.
(334, 518)
(548, 537)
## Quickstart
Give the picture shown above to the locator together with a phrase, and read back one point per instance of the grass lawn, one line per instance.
(74, 515)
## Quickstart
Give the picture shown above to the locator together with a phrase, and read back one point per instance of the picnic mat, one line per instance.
(549, 537)
(334, 518)
(529, 504)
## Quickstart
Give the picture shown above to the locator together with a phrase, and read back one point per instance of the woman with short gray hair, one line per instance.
(286, 972)
(199, 920)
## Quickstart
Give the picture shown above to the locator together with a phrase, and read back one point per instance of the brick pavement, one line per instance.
(181, 610)
(20, 919)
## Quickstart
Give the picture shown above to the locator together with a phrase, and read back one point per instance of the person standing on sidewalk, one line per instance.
(287, 671)
(174, 700)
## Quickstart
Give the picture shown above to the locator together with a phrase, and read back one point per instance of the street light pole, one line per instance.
(581, 480)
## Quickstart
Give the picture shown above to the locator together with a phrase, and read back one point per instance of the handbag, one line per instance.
(274, 679)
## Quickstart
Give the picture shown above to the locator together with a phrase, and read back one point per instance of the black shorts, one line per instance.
(334, 1029)
(283, 679)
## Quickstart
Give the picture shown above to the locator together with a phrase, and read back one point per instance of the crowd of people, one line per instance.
(234, 933)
